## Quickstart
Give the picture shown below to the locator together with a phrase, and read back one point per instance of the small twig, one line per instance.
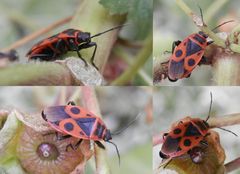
(89, 101)
(37, 34)
(232, 165)
(200, 24)
(36, 74)
(226, 120)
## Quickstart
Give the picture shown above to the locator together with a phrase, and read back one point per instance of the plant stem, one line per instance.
(89, 100)
(94, 18)
(127, 58)
(226, 70)
(36, 34)
(227, 120)
(200, 24)
(140, 60)
(36, 74)
(233, 165)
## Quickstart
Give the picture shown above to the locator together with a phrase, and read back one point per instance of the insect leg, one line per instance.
(77, 144)
(69, 146)
(61, 46)
(62, 137)
(99, 144)
(88, 45)
(76, 48)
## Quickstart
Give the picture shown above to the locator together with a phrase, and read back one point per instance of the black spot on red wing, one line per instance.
(68, 126)
(177, 131)
(187, 142)
(199, 53)
(196, 138)
(185, 43)
(192, 48)
(86, 124)
(191, 62)
(89, 115)
(199, 39)
(191, 130)
(81, 133)
(75, 110)
(178, 53)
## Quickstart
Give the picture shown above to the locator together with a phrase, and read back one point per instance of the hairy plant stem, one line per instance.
(200, 24)
(89, 100)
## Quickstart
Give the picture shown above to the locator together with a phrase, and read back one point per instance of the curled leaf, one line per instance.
(45, 154)
(8, 132)
(83, 75)
(34, 121)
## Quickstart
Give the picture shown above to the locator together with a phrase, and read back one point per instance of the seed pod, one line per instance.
(44, 154)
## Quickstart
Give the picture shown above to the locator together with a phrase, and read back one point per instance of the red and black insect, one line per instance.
(75, 121)
(187, 54)
(11, 55)
(51, 48)
(187, 137)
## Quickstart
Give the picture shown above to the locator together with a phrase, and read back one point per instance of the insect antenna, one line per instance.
(114, 28)
(210, 107)
(201, 13)
(129, 124)
(227, 131)
(222, 24)
(167, 163)
(119, 159)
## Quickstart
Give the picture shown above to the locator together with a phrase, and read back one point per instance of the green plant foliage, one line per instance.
(139, 13)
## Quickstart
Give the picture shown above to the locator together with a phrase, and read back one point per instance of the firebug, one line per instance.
(51, 48)
(186, 137)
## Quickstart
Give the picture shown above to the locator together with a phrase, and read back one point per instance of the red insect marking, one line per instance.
(79, 123)
(185, 136)
(186, 56)
(51, 48)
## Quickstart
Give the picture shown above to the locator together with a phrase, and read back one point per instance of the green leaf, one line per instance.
(141, 16)
(116, 6)
(139, 13)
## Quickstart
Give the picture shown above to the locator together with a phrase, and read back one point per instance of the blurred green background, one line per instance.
(174, 103)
